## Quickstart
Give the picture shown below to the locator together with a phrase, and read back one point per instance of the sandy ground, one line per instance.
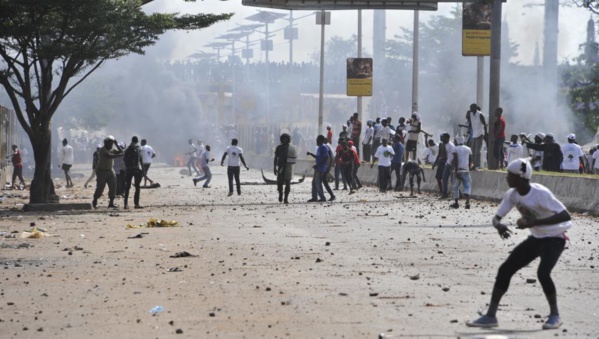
(363, 265)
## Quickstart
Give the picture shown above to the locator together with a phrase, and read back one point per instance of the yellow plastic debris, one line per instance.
(153, 222)
(34, 234)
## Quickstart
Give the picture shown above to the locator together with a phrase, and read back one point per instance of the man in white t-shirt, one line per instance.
(147, 155)
(432, 150)
(478, 125)
(448, 169)
(235, 154)
(572, 156)
(514, 150)
(367, 141)
(462, 158)
(548, 220)
(193, 155)
(384, 154)
(204, 161)
(595, 163)
(65, 161)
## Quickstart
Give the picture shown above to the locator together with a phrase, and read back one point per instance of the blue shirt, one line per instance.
(398, 148)
(322, 155)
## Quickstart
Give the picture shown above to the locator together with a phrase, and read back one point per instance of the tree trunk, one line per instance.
(42, 186)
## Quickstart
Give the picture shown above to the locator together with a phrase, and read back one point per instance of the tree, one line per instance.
(44, 45)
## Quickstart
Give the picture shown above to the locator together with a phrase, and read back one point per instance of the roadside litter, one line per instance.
(35, 233)
(156, 309)
(153, 222)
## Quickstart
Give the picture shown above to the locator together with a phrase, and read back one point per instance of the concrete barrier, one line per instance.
(578, 194)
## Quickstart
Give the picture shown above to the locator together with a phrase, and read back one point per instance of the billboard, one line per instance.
(359, 77)
(476, 29)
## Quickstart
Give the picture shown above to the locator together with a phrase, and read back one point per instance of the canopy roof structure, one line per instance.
(425, 5)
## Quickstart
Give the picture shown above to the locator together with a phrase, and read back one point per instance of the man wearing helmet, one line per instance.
(285, 156)
(105, 172)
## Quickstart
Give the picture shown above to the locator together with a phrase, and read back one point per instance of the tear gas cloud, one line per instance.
(160, 104)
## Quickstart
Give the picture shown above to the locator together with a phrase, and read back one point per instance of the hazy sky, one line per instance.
(525, 24)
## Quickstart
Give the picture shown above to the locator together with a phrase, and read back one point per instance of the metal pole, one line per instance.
(267, 113)
(291, 37)
(359, 56)
(480, 81)
(415, 47)
(494, 78)
(321, 93)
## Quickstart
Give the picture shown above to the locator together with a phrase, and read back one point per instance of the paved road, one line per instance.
(366, 264)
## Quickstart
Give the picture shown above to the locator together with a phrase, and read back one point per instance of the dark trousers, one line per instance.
(356, 141)
(103, 178)
(548, 249)
(396, 167)
(120, 182)
(355, 173)
(129, 176)
(348, 174)
(498, 151)
(233, 172)
(366, 152)
(384, 175)
(281, 181)
(338, 172)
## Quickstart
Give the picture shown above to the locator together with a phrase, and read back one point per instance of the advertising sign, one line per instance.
(476, 30)
(359, 77)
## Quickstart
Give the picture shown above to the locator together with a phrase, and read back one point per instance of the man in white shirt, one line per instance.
(548, 220)
(367, 142)
(235, 154)
(148, 154)
(595, 164)
(462, 158)
(514, 149)
(193, 155)
(432, 150)
(572, 156)
(478, 125)
(204, 161)
(384, 154)
(65, 161)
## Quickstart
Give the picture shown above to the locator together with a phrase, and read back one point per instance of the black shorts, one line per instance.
(66, 167)
(411, 145)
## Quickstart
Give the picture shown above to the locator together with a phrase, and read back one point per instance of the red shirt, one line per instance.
(356, 128)
(16, 159)
(356, 158)
(330, 136)
(499, 128)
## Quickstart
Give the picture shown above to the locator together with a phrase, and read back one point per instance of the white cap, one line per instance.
(329, 126)
(520, 167)
(571, 136)
(459, 140)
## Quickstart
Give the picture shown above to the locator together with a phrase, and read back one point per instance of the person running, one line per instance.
(65, 161)
(148, 155)
(105, 172)
(235, 154)
(193, 155)
(17, 164)
(204, 161)
(347, 165)
(132, 161)
(383, 155)
(95, 158)
(320, 169)
(462, 158)
(548, 220)
(285, 156)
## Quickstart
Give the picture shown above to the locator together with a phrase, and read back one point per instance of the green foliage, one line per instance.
(44, 45)
(581, 82)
